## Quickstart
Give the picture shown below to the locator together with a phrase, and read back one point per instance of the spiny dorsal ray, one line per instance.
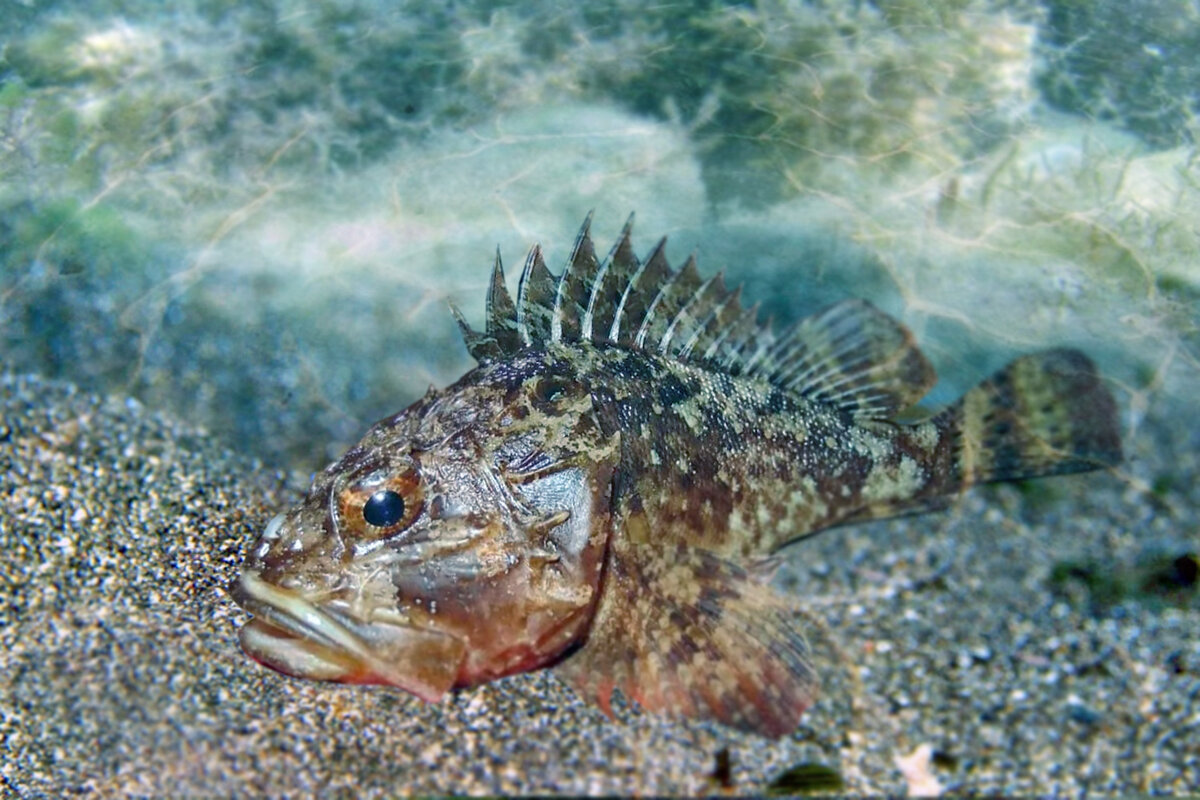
(639, 294)
(535, 300)
(575, 287)
(693, 314)
(849, 355)
(501, 311)
(676, 290)
(610, 285)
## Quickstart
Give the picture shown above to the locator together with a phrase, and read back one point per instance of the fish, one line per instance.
(606, 493)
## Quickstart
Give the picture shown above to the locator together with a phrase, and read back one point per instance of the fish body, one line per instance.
(604, 492)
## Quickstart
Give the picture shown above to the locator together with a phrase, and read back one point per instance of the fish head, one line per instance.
(461, 540)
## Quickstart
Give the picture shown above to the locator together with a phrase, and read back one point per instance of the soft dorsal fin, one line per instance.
(850, 355)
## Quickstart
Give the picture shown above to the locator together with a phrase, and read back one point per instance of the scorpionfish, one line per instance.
(603, 493)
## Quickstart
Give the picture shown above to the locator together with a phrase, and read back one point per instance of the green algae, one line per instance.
(252, 137)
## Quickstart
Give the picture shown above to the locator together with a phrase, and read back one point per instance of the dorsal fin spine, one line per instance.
(850, 355)
(535, 299)
(759, 342)
(581, 237)
(639, 340)
(501, 313)
(655, 262)
(601, 275)
(523, 296)
(562, 282)
(713, 316)
(665, 344)
(749, 314)
(585, 325)
(497, 280)
(615, 331)
(556, 317)
(710, 352)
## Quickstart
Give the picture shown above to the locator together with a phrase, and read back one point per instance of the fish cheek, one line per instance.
(524, 591)
(494, 611)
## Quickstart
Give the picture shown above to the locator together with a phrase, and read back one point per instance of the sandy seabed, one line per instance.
(954, 654)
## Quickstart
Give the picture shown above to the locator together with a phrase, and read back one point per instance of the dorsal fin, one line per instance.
(501, 311)
(692, 315)
(849, 355)
(728, 342)
(535, 299)
(575, 286)
(708, 329)
(614, 275)
(639, 295)
(500, 334)
(677, 289)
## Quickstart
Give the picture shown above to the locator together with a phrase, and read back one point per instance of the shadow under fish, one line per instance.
(603, 493)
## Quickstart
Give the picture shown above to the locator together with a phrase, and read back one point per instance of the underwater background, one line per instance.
(230, 230)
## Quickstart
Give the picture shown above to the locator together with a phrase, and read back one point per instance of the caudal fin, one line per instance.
(1046, 413)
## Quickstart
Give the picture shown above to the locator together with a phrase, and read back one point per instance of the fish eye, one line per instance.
(380, 505)
(383, 509)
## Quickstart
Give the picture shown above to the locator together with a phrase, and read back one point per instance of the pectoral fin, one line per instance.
(682, 631)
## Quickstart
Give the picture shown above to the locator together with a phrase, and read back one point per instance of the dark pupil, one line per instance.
(383, 509)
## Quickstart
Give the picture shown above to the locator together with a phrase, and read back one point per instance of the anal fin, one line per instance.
(683, 631)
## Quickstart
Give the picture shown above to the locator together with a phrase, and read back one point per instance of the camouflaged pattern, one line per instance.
(736, 441)
(603, 492)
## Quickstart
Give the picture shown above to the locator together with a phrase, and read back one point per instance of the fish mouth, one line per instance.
(297, 637)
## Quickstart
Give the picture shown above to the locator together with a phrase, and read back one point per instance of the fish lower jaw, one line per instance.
(299, 638)
(293, 655)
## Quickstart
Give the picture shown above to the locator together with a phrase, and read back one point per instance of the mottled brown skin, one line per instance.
(505, 544)
(606, 501)
(739, 467)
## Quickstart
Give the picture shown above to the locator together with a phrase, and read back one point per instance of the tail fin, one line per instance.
(1044, 414)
